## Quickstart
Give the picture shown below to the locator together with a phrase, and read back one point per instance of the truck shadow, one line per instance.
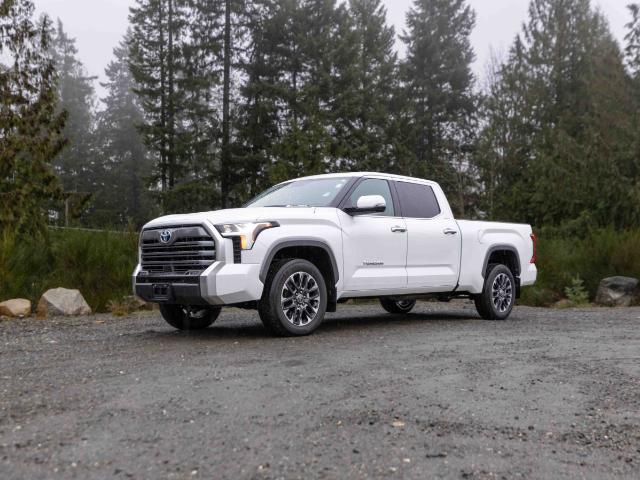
(341, 322)
(333, 324)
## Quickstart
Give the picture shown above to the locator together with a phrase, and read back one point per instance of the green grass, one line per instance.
(99, 264)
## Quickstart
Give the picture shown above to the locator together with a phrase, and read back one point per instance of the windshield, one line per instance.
(319, 192)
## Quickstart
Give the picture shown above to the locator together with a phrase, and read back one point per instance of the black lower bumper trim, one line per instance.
(173, 293)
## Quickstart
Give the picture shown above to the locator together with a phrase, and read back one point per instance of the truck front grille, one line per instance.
(178, 249)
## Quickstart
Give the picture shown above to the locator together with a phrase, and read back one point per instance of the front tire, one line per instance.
(294, 299)
(498, 294)
(184, 317)
(397, 306)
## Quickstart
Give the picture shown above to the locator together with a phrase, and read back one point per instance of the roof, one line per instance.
(388, 176)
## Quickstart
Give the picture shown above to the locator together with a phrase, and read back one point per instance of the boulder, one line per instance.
(17, 307)
(618, 292)
(62, 301)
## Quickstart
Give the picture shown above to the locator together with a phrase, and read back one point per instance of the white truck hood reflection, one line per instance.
(239, 215)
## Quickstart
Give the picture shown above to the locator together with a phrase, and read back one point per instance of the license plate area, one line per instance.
(161, 291)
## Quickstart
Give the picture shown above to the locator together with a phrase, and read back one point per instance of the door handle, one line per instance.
(449, 231)
(398, 229)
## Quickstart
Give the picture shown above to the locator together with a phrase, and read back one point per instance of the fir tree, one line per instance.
(122, 194)
(177, 51)
(365, 88)
(30, 123)
(77, 164)
(439, 88)
(560, 119)
(156, 62)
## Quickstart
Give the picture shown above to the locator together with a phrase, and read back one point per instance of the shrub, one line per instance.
(576, 293)
(98, 263)
(591, 254)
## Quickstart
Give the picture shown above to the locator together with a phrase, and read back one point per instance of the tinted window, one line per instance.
(373, 186)
(418, 201)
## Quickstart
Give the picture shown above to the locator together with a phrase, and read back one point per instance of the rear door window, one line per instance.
(417, 201)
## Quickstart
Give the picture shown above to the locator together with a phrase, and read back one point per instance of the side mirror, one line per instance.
(368, 204)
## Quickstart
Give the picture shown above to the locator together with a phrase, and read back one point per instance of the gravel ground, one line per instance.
(435, 394)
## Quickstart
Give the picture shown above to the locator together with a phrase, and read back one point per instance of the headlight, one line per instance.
(248, 232)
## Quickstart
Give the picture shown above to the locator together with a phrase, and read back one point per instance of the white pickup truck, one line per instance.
(303, 246)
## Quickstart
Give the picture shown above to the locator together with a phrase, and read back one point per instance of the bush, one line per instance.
(576, 293)
(591, 255)
(98, 263)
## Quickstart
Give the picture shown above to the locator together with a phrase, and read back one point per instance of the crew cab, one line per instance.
(303, 246)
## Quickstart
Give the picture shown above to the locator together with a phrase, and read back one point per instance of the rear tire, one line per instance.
(185, 317)
(397, 306)
(498, 294)
(294, 299)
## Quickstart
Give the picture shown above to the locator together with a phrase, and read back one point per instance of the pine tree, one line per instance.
(76, 165)
(298, 103)
(30, 123)
(122, 194)
(177, 52)
(632, 53)
(365, 87)
(439, 88)
(559, 119)
(155, 63)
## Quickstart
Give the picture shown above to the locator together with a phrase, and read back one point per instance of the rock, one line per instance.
(618, 292)
(17, 307)
(62, 301)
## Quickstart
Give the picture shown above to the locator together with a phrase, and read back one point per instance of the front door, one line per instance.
(374, 246)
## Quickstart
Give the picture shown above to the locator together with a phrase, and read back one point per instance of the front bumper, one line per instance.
(223, 282)
(220, 284)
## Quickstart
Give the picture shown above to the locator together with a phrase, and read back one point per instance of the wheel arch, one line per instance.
(504, 254)
(317, 252)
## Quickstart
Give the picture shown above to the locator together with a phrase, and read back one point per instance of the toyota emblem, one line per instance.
(165, 236)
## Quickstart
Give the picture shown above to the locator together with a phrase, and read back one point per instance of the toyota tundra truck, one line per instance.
(303, 246)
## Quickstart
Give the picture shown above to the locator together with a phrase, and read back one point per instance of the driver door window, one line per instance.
(373, 186)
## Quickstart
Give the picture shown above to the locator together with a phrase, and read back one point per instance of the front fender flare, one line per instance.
(297, 242)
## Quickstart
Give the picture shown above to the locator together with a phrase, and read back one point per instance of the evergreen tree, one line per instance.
(76, 164)
(299, 102)
(560, 121)
(439, 88)
(30, 123)
(632, 52)
(176, 51)
(155, 63)
(122, 194)
(366, 87)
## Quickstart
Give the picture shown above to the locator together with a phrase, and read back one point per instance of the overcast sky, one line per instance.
(98, 25)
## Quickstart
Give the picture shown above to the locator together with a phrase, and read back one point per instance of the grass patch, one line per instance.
(99, 264)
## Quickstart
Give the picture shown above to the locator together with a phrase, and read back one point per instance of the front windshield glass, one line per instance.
(319, 192)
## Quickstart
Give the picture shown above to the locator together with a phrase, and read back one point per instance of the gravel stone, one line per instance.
(128, 397)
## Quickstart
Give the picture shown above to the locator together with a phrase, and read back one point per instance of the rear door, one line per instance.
(434, 241)
(375, 245)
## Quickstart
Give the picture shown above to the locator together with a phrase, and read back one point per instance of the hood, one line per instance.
(237, 215)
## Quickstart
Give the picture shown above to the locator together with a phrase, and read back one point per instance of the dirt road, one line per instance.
(435, 394)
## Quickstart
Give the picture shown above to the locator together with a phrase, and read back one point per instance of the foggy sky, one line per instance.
(98, 25)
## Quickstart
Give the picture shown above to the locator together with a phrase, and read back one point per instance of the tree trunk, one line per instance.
(171, 105)
(163, 106)
(226, 152)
